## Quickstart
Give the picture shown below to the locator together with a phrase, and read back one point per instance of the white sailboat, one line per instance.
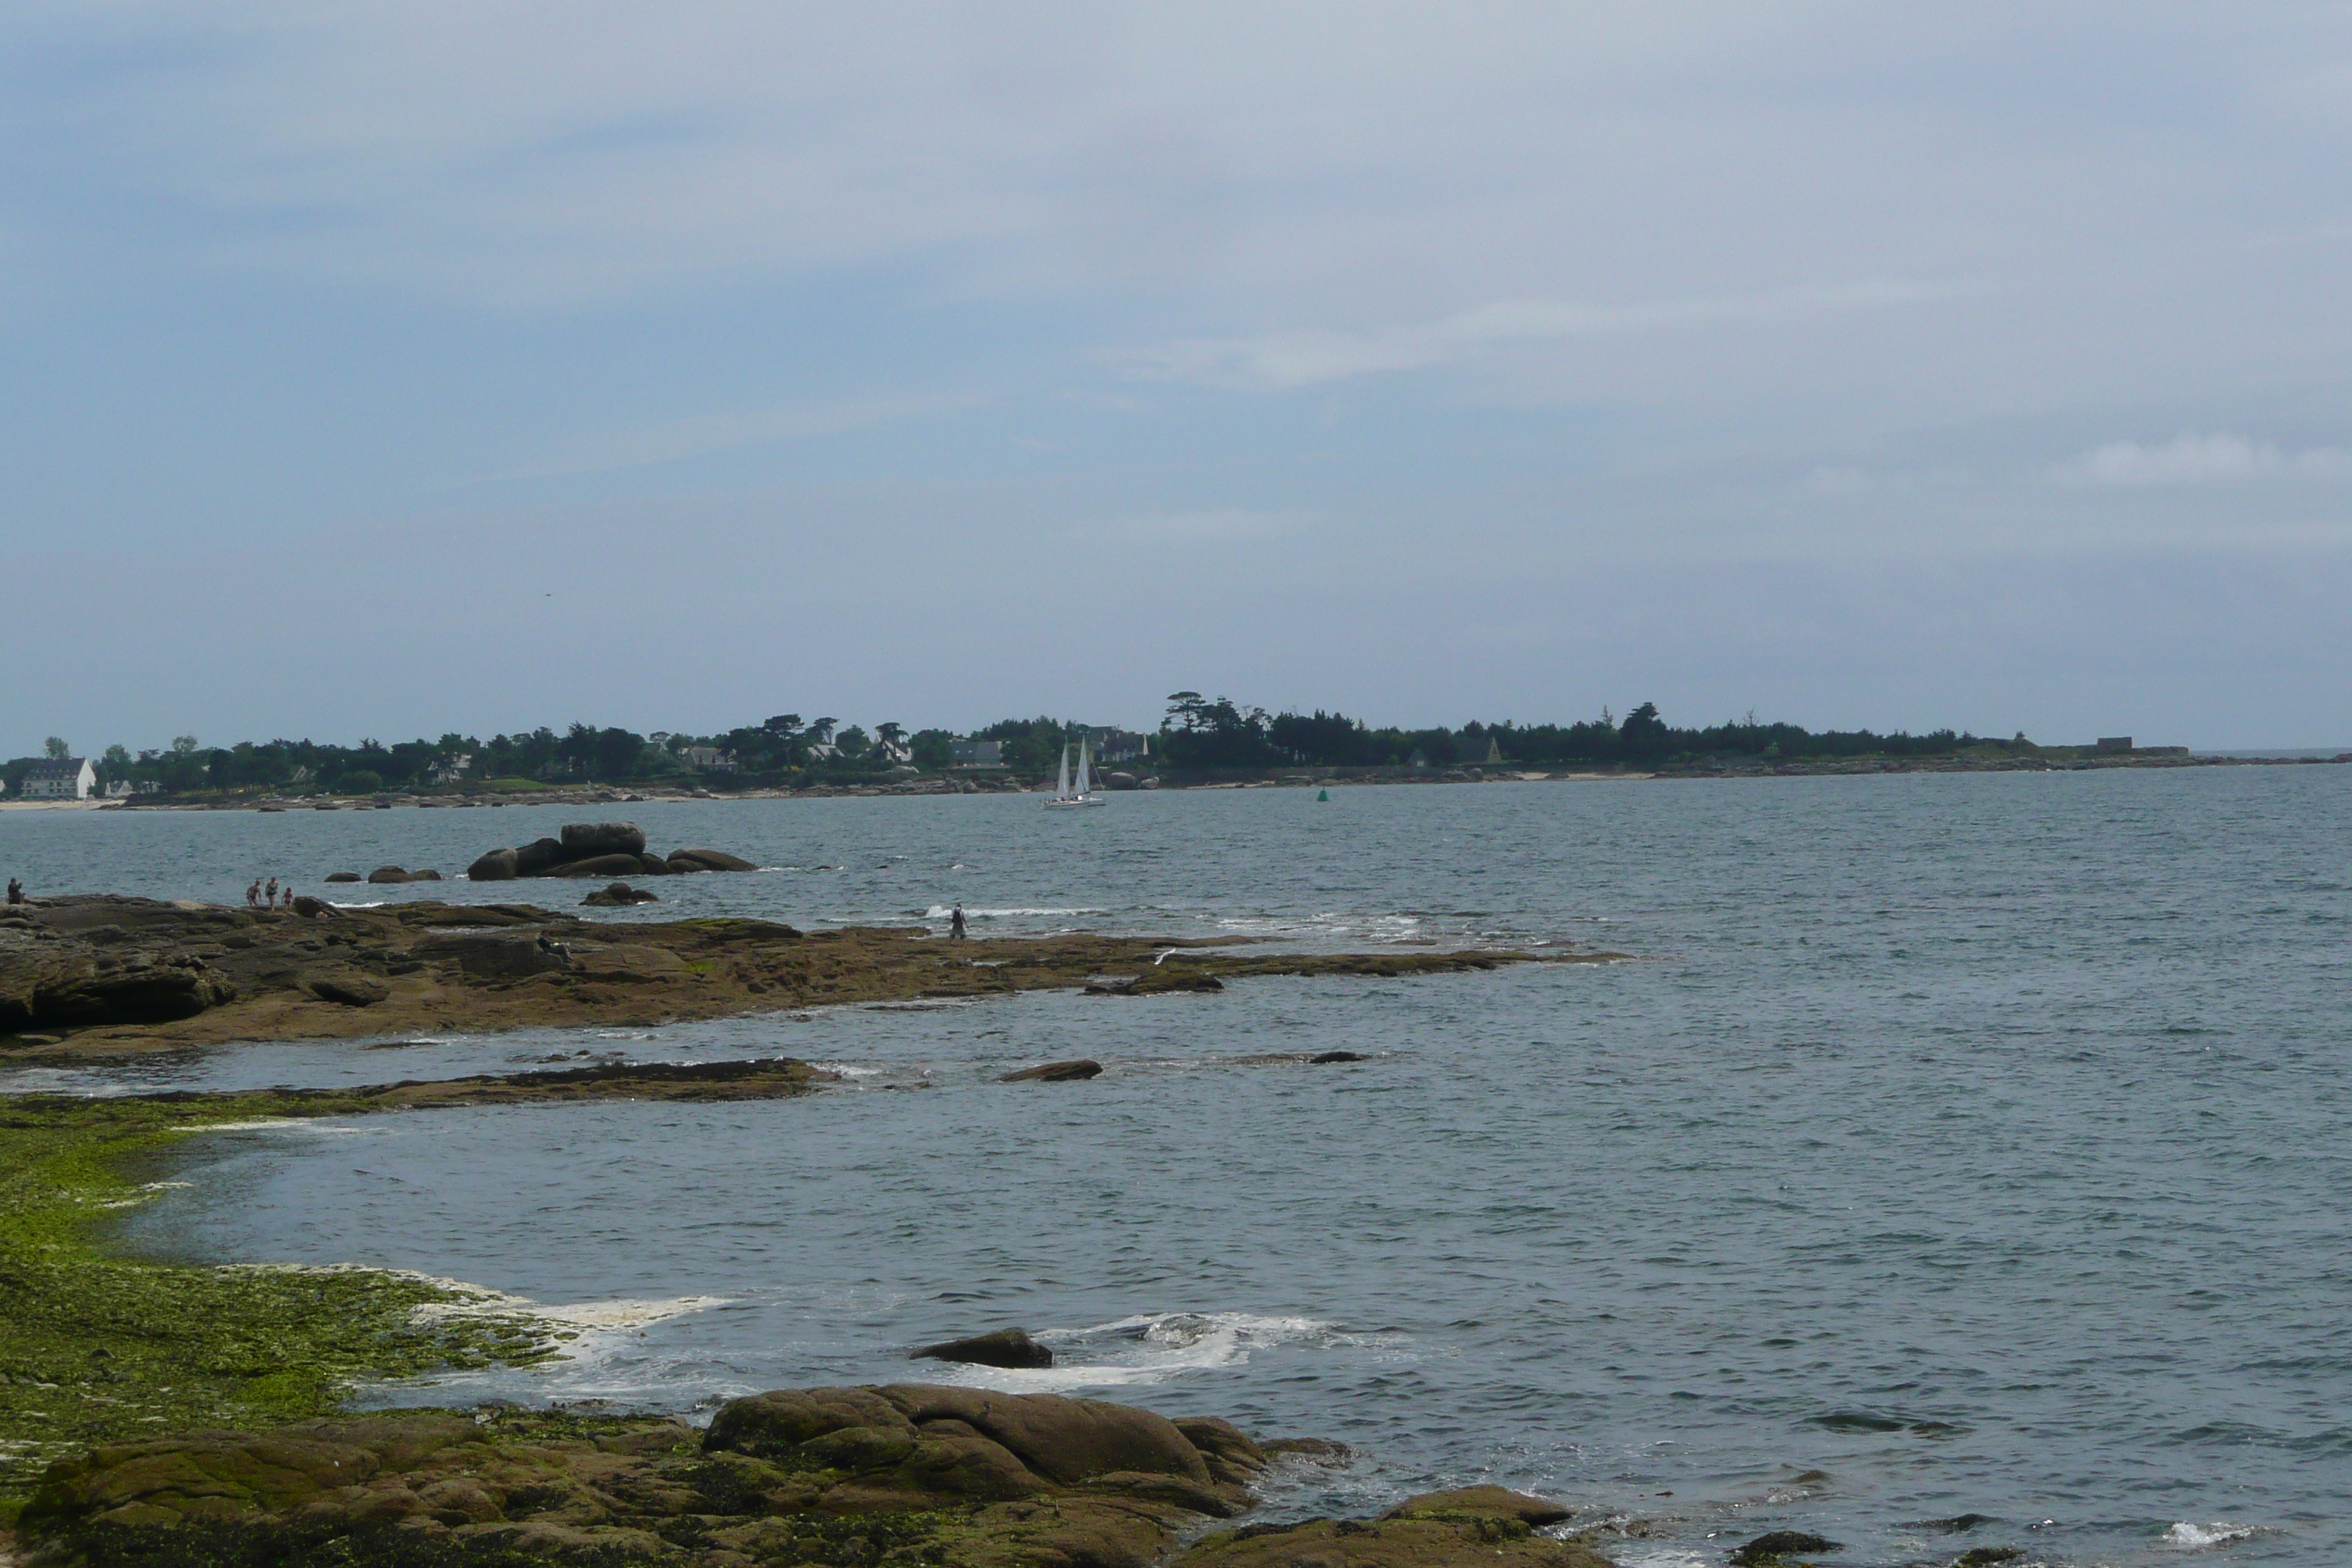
(1085, 794)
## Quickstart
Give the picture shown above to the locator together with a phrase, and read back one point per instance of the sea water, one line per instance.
(1947, 1145)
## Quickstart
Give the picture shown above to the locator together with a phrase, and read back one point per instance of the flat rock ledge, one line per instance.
(910, 1475)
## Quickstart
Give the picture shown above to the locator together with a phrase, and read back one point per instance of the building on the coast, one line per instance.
(976, 753)
(1420, 759)
(70, 779)
(2115, 744)
(1112, 745)
(449, 769)
(1494, 753)
(709, 760)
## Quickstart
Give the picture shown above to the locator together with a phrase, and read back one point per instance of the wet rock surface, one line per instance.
(910, 1474)
(124, 975)
(1779, 1546)
(1055, 1072)
(619, 896)
(1006, 1348)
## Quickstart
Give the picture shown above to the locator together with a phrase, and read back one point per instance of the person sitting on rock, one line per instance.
(955, 922)
(15, 890)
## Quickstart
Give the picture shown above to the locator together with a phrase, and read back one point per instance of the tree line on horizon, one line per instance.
(1197, 734)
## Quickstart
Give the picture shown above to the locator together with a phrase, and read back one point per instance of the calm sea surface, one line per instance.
(1954, 1145)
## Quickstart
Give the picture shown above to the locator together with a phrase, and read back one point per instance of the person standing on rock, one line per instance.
(253, 895)
(288, 895)
(955, 922)
(269, 895)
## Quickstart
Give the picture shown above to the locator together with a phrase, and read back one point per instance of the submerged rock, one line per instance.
(1326, 1057)
(708, 860)
(1005, 1347)
(620, 895)
(1771, 1548)
(342, 875)
(1055, 1072)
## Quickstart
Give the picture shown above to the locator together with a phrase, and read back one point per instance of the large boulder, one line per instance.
(498, 866)
(616, 864)
(708, 860)
(539, 857)
(583, 839)
(342, 875)
(387, 874)
(654, 866)
(1006, 1348)
(619, 895)
(63, 983)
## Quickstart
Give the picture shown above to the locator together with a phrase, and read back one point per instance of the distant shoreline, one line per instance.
(455, 797)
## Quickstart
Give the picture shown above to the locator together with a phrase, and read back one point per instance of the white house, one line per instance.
(71, 779)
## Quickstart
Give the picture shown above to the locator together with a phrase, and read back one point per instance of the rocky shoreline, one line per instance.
(103, 974)
(910, 1474)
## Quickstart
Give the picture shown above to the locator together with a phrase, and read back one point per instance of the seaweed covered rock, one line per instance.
(1486, 1525)
(952, 1478)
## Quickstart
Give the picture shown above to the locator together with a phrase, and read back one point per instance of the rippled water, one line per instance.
(1968, 1144)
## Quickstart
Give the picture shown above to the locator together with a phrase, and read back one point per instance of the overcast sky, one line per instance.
(379, 368)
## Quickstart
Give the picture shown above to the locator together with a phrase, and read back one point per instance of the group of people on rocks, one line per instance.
(257, 897)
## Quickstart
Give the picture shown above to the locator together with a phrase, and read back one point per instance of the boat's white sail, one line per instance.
(1085, 794)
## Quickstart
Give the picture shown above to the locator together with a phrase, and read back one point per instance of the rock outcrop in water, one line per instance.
(908, 1474)
(134, 974)
(598, 849)
(1006, 1348)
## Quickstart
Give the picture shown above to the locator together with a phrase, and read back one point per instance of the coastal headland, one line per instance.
(107, 975)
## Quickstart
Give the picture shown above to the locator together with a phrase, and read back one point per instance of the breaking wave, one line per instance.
(1151, 1347)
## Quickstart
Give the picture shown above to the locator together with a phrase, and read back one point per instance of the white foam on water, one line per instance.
(622, 1312)
(1148, 1348)
(1669, 1557)
(2190, 1536)
(267, 1125)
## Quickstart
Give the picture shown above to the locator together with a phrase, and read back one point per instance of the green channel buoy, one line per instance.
(1322, 795)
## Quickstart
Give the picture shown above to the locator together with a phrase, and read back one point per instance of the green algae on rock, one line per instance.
(96, 1348)
(909, 1475)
